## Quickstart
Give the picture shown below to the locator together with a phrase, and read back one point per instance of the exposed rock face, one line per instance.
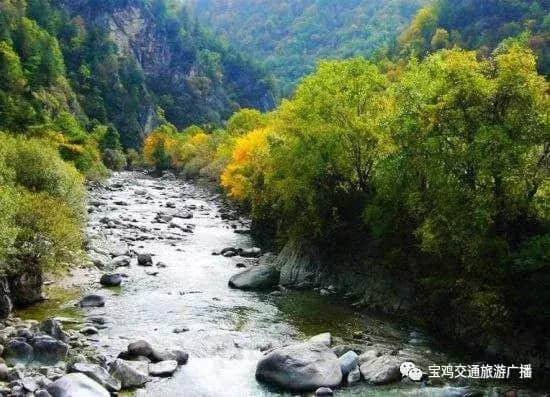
(5, 300)
(302, 367)
(256, 278)
(26, 288)
(77, 385)
(171, 68)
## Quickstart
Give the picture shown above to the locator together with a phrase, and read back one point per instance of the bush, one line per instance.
(45, 238)
(39, 168)
(114, 159)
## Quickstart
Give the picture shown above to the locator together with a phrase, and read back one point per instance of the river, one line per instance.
(225, 330)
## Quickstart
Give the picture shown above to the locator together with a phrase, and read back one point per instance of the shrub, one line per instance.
(114, 159)
(45, 238)
(39, 168)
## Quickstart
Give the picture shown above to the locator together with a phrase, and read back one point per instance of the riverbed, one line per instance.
(185, 302)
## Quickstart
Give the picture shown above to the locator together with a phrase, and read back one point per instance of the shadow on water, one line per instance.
(59, 303)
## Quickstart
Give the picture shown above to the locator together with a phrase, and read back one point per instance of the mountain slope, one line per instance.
(133, 63)
(290, 36)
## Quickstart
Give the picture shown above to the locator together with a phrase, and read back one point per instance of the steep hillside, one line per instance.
(290, 36)
(132, 63)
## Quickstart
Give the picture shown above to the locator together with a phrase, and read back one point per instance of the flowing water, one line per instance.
(227, 329)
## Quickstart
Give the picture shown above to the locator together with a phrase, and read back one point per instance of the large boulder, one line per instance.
(348, 362)
(163, 368)
(256, 278)
(77, 385)
(111, 280)
(99, 374)
(18, 352)
(5, 300)
(130, 373)
(92, 300)
(303, 367)
(381, 370)
(26, 288)
(49, 350)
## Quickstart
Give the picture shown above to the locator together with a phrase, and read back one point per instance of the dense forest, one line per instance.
(290, 36)
(448, 155)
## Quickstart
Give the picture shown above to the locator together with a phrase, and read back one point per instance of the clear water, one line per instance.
(227, 328)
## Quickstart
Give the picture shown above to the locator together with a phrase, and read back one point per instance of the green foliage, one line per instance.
(245, 120)
(33, 181)
(114, 159)
(480, 25)
(289, 37)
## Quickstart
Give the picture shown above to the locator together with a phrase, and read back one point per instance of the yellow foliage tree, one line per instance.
(247, 165)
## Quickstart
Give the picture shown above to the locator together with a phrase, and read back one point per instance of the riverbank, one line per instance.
(159, 235)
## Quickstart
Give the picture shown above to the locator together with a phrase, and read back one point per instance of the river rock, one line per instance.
(254, 252)
(99, 374)
(354, 376)
(145, 260)
(49, 350)
(348, 362)
(92, 300)
(5, 300)
(89, 330)
(76, 385)
(3, 372)
(18, 352)
(381, 370)
(368, 356)
(144, 348)
(302, 367)
(177, 355)
(325, 339)
(256, 278)
(53, 328)
(340, 350)
(121, 261)
(163, 368)
(323, 392)
(111, 280)
(42, 393)
(130, 373)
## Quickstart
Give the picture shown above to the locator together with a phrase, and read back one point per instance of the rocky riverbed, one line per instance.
(178, 301)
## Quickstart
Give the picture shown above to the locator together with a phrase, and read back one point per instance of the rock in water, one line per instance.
(254, 252)
(92, 301)
(145, 260)
(348, 362)
(256, 278)
(381, 370)
(163, 368)
(303, 367)
(54, 329)
(111, 280)
(77, 385)
(18, 352)
(130, 373)
(99, 374)
(323, 392)
(49, 350)
(354, 376)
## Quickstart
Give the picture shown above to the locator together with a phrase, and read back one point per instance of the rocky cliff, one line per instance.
(167, 66)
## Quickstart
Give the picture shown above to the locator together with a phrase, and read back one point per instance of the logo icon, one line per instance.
(410, 370)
